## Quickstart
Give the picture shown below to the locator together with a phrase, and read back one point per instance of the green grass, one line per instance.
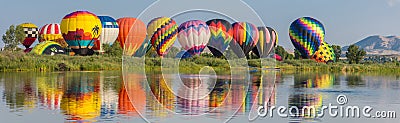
(310, 65)
(19, 61)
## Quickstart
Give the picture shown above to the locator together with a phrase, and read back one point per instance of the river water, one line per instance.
(111, 96)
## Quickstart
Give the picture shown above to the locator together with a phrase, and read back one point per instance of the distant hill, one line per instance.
(379, 45)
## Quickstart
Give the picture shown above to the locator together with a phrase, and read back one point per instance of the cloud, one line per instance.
(392, 3)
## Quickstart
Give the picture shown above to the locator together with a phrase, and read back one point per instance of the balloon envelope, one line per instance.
(143, 49)
(183, 55)
(162, 32)
(132, 33)
(221, 36)
(307, 34)
(245, 37)
(31, 34)
(109, 33)
(266, 42)
(325, 53)
(50, 32)
(48, 48)
(194, 36)
(80, 30)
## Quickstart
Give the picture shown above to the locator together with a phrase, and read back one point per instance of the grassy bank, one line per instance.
(19, 61)
(310, 65)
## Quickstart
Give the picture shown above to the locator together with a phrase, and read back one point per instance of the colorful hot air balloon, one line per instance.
(307, 34)
(194, 36)
(245, 36)
(31, 34)
(80, 30)
(132, 33)
(144, 48)
(221, 36)
(48, 48)
(50, 32)
(274, 37)
(162, 32)
(108, 34)
(266, 42)
(325, 53)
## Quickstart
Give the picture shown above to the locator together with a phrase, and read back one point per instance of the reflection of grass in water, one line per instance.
(354, 80)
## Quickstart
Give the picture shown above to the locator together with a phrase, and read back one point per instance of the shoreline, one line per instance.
(16, 61)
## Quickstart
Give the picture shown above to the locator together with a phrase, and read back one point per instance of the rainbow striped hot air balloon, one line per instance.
(162, 33)
(80, 30)
(194, 36)
(307, 34)
(245, 37)
(132, 33)
(48, 48)
(31, 34)
(221, 36)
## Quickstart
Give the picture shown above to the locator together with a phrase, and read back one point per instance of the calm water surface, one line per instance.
(111, 97)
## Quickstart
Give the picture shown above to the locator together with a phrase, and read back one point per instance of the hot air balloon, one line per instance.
(80, 30)
(194, 36)
(245, 37)
(108, 34)
(307, 34)
(325, 53)
(274, 37)
(221, 36)
(132, 33)
(162, 32)
(48, 48)
(183, 55)
(31, 34)
(50, 32)
(27, 50)
(266, 42)
(143, 49)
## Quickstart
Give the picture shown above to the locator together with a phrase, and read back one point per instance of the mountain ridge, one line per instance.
(379, 45)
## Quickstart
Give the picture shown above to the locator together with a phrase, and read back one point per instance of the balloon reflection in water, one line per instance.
(29, 93)
(50, 90)
(109, 96)
(162, 98)
(19, 91)
(321, 81)
(261, 92)
(219, 93)
(301, 98)
(109, 104)
(193, 96)
(132, 92)
(306, 100)
(81, 100)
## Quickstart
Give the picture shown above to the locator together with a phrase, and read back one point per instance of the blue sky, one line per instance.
(346, 21)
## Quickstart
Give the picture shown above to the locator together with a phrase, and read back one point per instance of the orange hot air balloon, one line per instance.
(132, 33)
